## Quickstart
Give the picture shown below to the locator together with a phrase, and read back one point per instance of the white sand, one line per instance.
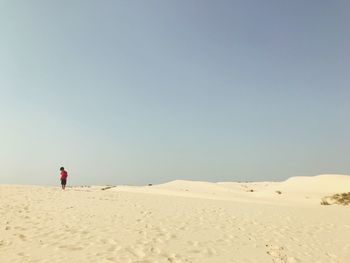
(181, 221)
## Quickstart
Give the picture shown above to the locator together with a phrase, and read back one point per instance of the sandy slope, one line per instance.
(181, 221)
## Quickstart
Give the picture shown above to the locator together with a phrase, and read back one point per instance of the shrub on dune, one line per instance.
(339, 199)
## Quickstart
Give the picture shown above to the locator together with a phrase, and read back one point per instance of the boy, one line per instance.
(64, 176)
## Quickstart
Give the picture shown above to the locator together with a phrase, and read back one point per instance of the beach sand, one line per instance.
(180, 221)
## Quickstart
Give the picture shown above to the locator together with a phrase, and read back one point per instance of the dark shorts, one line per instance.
(63, 181)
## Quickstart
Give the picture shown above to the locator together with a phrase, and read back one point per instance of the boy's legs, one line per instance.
(63, 183)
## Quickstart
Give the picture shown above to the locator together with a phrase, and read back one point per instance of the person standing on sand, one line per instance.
(64, 176)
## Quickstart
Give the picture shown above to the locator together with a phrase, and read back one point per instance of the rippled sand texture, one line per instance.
(181, 221)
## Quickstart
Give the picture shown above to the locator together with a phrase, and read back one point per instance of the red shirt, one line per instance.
(64, 174)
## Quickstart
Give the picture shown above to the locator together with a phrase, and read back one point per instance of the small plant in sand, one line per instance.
(324, 202)
(279, 192)
(108, 187)
(340, 199)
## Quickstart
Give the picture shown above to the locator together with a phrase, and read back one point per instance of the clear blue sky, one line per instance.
(136, 92)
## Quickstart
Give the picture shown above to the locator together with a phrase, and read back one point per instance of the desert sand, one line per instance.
(180, 221)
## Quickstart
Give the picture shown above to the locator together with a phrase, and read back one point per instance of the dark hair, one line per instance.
(62, 168)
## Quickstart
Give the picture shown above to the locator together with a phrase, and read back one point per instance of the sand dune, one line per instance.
(180, 221)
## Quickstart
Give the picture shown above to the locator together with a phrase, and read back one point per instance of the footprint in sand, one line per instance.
(114, 248)
(278, 254)
(71, 247)
(5, 243)
(22, 237)
(136, 252)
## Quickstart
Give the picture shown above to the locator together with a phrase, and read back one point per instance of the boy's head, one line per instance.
(62, 168)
